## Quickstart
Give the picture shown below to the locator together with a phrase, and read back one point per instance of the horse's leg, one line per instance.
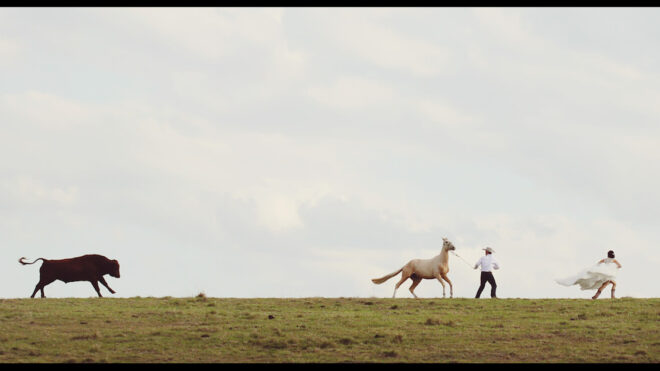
(403, 278)
(451, 287)
(416, 282)
(439, 277)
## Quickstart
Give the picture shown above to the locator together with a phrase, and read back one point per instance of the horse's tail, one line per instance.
(378, 281)
(24, 263)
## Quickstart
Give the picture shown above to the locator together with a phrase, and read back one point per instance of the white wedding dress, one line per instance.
(593, 277)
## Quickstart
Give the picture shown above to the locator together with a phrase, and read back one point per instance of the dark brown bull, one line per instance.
(83, 268)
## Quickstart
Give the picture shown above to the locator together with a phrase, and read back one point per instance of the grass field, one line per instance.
(201, 329)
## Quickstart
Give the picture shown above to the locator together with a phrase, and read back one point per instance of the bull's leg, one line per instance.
(443, 285)
(416, 282)
(96, 287)
(37, 288)
(451, 287)
(40, 286)
(102, 280)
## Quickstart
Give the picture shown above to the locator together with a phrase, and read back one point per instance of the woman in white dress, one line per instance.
(597, 276)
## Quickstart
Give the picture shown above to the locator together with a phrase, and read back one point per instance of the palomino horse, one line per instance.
(417, 269)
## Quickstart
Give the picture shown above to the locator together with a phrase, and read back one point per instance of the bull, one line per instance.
(90, 268)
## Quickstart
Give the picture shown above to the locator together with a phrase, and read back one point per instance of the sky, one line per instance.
(301, 152)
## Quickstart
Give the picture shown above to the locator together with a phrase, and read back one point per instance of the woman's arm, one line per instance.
(617, 263)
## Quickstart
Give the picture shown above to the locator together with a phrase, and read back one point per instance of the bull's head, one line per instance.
(114, 268)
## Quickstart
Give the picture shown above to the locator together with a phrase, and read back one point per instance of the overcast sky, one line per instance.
(300, 152)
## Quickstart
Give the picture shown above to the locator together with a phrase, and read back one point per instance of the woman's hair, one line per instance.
(610, 254)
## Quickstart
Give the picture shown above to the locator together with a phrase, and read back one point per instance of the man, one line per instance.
(487, 263)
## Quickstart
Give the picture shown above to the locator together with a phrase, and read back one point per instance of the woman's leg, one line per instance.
(600, 289)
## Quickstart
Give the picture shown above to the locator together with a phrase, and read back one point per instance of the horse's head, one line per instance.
(447, 245)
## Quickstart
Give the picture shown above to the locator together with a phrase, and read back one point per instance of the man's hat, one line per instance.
(489, 250)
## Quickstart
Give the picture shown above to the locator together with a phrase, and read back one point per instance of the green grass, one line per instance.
(324, 330)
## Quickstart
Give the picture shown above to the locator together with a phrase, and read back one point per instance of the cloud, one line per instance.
(444, 115)
(506, 24)
(43, 110)
(353, 92)
(9, 51)
(366, 34)
(214, 35)
(26, 191)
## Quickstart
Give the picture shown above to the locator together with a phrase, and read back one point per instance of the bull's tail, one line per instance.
(378, 281)
(24, 263)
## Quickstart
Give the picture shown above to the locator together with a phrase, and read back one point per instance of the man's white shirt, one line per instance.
(487, 263)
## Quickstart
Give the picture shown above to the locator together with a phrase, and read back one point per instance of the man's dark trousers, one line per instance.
(487, 277)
